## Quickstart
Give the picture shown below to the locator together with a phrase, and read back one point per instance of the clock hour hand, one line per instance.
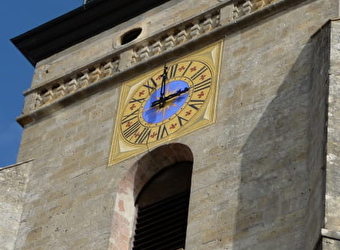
(157, 102)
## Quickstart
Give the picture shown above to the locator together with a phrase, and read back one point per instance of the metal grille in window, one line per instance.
(162, 225)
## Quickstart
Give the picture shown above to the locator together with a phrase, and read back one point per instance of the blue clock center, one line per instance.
(156, 114)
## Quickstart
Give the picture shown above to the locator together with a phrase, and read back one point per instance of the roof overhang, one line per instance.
(78, 25)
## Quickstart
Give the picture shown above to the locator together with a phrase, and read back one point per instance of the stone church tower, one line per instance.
(179, 124)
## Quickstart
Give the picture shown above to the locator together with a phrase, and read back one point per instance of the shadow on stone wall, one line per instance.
(275, 192)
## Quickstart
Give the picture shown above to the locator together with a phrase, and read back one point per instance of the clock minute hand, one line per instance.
(164, 79)
(178, 93)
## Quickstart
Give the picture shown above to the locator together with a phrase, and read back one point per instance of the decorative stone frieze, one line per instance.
(55, 90)
(199, 26)
(152, 46)
(246, 7)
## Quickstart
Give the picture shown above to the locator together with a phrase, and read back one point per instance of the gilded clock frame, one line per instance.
(121, 149)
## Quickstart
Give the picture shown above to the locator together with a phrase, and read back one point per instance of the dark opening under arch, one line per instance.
(163, 209)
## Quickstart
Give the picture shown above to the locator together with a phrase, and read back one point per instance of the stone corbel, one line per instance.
(227, 14)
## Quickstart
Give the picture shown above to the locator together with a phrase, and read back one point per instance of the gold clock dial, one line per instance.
(143, 123)
(166, 103)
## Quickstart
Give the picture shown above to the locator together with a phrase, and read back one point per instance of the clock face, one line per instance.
(166, 103)
(186, 89)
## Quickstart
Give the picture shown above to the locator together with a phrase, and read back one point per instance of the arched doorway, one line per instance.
(162, 209)
(167, 168)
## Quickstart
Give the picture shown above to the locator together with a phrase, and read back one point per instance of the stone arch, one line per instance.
(137, 176)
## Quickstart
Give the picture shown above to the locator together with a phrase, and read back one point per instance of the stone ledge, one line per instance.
(16, 164)
(335, 235)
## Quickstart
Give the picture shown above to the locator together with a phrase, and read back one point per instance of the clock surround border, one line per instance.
(120, 150)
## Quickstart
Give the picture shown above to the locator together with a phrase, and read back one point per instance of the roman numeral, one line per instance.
(202, 85)
(145, 134)
(200, 72)
(181, 120)
(196, 104)
(129, 117)
(173, 70)
(151, 85)
(131, 129)
(162, 132)
(137, 100)
(185, 71)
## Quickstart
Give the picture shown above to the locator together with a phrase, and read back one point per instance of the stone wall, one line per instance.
(332, 216)
(258, 169)
(13, 181)
(317, 135)
(69, 196)
(256, 174)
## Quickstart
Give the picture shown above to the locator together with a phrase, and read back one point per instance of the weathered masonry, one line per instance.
(179, 124)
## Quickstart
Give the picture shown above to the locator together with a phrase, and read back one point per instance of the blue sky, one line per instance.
(17, 17)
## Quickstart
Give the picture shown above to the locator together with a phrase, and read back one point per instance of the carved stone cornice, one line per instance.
(177, 40)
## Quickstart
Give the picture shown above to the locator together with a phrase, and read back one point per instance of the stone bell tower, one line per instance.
(166, 124)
